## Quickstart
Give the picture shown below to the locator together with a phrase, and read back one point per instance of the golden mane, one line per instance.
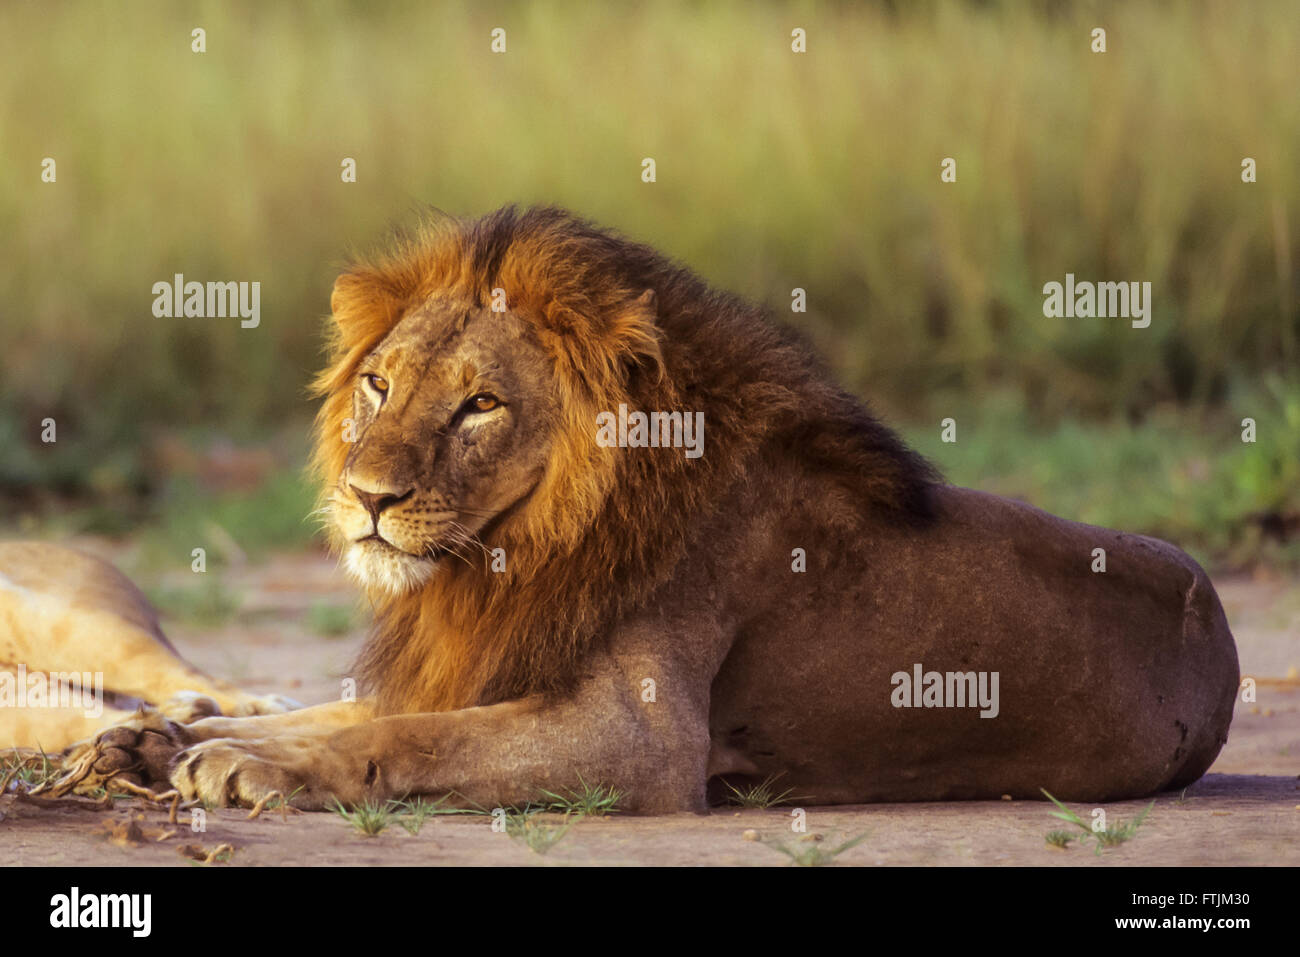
(604, 529)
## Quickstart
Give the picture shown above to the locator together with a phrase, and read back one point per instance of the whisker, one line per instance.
(462, 537)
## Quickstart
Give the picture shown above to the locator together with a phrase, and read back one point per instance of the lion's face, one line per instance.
(451, 417)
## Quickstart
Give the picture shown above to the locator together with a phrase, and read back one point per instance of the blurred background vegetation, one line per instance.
(775, 171)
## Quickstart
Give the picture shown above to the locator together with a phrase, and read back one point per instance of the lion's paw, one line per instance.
(186, 707)
(225, 772)
(138, 750)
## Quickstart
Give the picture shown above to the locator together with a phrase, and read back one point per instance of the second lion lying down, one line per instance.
(551, 608)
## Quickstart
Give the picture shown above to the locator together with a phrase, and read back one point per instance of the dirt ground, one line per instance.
(1246, 811)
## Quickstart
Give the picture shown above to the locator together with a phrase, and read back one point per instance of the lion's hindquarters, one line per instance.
(1137, 670)
(992, 653)
(1129, 664)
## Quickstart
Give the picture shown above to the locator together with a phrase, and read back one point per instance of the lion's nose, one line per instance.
(376, 502)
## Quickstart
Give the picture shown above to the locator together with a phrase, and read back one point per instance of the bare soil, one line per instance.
(1246, 811)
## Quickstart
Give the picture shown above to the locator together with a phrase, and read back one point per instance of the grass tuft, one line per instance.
(586, 800)
(1060, 838)
(32, 768)
(1113, 836)
(413, 812)
(369, 818)
(538, 835)
(761, 795)
(809, 852)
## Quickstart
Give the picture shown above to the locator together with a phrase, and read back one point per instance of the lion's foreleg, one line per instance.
(654, 752)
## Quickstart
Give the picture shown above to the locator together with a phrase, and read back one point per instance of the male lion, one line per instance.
(551, 609)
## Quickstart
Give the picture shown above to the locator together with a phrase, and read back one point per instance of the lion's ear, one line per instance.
(363, 309)
(636, 335)
(362, 306)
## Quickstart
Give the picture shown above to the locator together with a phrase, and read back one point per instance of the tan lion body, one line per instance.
(651, 626)
(64, 612)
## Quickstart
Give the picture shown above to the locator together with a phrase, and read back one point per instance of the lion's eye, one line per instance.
(378, 383)
(484, 402)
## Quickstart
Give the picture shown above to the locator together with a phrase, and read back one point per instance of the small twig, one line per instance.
(130, 787)
(216, 852)
(260, 806)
